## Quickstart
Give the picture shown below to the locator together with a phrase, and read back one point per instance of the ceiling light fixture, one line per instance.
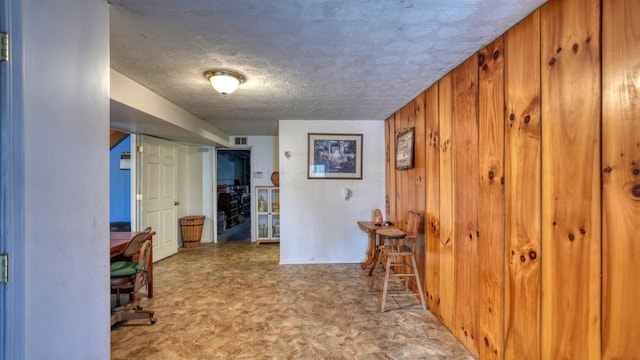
(225, 82)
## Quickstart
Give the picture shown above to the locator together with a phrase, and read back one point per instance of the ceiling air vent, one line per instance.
(240, 140)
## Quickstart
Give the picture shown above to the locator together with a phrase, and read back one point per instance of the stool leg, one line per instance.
(415, 271)
(386, 282)
(373, 274)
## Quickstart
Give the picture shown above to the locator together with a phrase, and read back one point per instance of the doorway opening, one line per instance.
(120, 172)
(233, 183)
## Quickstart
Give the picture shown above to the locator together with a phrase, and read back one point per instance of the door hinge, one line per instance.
(4, 49)
(4, 268)
(139, 148)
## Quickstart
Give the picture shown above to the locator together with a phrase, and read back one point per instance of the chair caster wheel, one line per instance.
(153, 320)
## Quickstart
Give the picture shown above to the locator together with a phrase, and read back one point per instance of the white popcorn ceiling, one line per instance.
(302, 59)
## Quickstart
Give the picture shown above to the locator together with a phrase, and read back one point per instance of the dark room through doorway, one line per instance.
(233, 183)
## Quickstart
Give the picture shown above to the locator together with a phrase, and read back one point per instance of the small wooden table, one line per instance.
(119, 240)
(373, 230)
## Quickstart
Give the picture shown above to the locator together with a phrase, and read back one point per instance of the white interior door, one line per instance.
(159, 161)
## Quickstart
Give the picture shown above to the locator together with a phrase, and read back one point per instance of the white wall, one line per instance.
(65, 99)
(317, 224)
(264, 159)
(195, 183)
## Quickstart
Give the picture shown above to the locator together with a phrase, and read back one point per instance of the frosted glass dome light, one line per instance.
(224, 82)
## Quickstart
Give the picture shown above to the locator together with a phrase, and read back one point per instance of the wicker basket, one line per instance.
(191, 227)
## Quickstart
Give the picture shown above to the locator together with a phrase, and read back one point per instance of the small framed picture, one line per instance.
(404, 149)
(335, 156)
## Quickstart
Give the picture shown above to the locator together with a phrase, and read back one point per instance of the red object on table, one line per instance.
(377, 217)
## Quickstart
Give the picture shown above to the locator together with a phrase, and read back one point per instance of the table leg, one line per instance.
(370, 251)
(375, 253)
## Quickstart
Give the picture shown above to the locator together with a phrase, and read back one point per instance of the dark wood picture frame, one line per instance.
(404, 149)
(334, 156)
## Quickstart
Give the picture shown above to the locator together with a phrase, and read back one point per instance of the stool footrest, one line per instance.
(397, 278)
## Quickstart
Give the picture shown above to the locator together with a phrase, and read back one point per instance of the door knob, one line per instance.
(176, 203)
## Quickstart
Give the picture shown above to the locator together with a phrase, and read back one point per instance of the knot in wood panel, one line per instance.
(481, 60)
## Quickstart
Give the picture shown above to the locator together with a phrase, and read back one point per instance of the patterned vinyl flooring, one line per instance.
(232, 300)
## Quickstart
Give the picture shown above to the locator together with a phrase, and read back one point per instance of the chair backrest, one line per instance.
(142, 274)
(136, 242)
(413, 224)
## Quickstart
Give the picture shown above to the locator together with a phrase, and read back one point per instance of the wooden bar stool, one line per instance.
(398, 247)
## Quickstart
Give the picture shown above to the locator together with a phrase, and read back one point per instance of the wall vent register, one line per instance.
(240, 140)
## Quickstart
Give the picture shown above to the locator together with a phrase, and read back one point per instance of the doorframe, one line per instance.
(12, 293)
(136, 205)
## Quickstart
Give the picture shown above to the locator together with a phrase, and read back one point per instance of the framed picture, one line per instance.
(335, 156)
(404, 149)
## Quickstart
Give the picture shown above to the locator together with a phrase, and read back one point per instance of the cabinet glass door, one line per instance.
(263, 226)
(262, 198)
(267, 214)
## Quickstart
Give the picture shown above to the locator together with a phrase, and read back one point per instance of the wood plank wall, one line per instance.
(522, 190)
(446, 250)
(464, 142)
(528, 164)
(491, 256)
(621, 179)
(570, 53)
(432, 205)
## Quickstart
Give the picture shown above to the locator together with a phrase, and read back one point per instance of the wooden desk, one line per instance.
(119, 240)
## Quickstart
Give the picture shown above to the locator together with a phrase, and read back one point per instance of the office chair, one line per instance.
(398, 247)
(132, 277)
(130, 253)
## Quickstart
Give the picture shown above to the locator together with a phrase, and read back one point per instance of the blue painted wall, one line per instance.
(120, 184)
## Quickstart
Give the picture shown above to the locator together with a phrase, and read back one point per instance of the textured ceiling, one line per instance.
(302, 59)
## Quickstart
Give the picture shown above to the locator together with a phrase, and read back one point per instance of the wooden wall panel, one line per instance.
(522, 190)
(571, 188)
(464, 135)
(432, 206)
(621, 179)
(491, 202)
(419, 186)
(390, 197)
(570, 48)
(447, 252)
(404, 178)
